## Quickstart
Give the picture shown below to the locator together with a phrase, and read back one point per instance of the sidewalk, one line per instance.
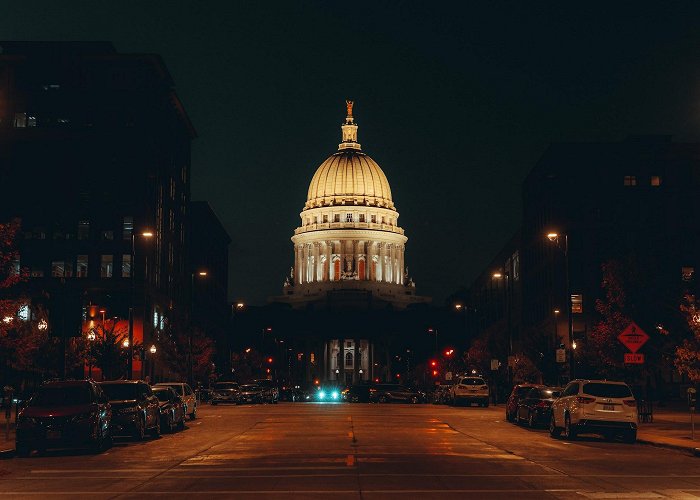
(671, 429)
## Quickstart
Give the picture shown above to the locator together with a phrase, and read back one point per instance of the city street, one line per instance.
(306, 450)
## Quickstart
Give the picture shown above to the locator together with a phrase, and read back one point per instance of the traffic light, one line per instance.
(433, 363)
(269, 360)
(449, 352)
(435, 373)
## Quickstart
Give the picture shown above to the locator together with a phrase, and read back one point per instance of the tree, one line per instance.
(687, 358)
(10, 275)
(175, 353)
(107, 351)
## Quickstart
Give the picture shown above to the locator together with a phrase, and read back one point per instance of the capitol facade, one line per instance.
(349, 254)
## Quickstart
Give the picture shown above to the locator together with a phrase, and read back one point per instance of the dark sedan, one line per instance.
(65, 414)
(536, 407)
(251, 393)
(172, 409)
(516, 395)
(135, 410)
(225, 392)
(386, 393)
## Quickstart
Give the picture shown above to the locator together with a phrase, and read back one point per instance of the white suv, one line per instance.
(595, 406)
(469, 389)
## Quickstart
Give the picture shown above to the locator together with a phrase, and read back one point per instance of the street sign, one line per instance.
(632, 358)
(495, 364)
(448, 376)
(633, 337)
(561, 356)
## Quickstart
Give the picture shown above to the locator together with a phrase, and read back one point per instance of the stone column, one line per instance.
(355, 257)
(327, 268)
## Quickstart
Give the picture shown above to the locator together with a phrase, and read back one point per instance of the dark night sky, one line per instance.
(454, 101)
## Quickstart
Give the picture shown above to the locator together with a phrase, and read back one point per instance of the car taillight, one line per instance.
(584, 400)
(629, 402)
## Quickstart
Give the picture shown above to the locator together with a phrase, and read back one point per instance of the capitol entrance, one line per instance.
(348, 361)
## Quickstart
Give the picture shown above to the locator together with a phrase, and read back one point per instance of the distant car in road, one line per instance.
(187, 394)
(135, 410)
(357, 394)
(536, 407)
(595, 406)
(271, 393)
(469, 390)
(65, 414)
(441, 394)
(172, 409)
(225, 392)
(292, 394)
(518, 393)
(387, 393)
(251, 393)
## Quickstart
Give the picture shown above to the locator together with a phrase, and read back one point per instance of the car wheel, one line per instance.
(181, 423)
(171, 423)
(554, 431)
(140, 433)
(382, 399)
(630, 437)
(193, 415)
(569, 432)
(22, 450)
(155, 432)
(531, 420)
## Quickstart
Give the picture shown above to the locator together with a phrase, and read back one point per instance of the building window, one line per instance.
(348, 360)
(577, 303)
(83, 230)
(656, 180)
(373, 219)
(126, 265)
(687, 273)
(315, 220)
(81, 270)
(31, 121)
(15, 267)
(20, 120)
(383, 220)
(362, 217)
(61, 269)
(127, 227)
(630, 180)
(106, 266)
(348, 217)
(108, 235)
(23, 312)
(336, 218)
(325, 219)
(36, 272)
(39, 233)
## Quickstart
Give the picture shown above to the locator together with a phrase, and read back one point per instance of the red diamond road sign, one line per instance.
(633, 337)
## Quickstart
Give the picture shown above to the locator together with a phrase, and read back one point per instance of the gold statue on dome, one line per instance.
(349, 105)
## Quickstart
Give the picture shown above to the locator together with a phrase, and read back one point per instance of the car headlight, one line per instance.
(334, 394)
(321, 394)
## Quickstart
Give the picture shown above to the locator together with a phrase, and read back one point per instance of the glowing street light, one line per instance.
(497, 275)
(126, 344)
(43, 325)
(552, 236)
(153, 349)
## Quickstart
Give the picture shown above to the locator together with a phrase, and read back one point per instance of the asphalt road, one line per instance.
(313, 450)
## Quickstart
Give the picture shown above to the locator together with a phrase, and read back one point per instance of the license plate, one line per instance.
(53, 434)
(609, 407)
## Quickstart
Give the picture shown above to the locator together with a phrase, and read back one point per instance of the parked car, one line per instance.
(271, 393)
(225, 392)
(251, 393)
(292, 394)
(135, 410)
(357, 394)
(516, 395)
(172, 409)
(595, 406)
(441, 394)
(187, 394)
(65, 414)
(469, 390)
(536, 407)
(386, 393)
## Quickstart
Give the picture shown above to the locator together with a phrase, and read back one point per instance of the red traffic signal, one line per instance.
(435, 373)
(449, 352)
(433, 363)
(269, 360)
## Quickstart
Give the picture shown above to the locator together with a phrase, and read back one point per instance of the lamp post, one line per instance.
(556, 238)
(505, 276)
(190, 374)
(435, 332)
(130, 345)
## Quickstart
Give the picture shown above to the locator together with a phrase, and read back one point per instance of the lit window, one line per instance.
(106, 266)
(348, 217)
(57, 269)
(81, 270)
(15, 267)
(577, 303)
(630, 180)
(127, 228)
(687, 273)
(20, 120)
(83, 230)
(155, 319)
(348, 359)
(108, 235)
(655, 180)
(126, 265)
(23, 312)
(31, 121)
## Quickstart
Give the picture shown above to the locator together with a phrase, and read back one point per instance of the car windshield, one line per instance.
(163, 394)
(117, 392)
(62, 396)
(250, 387)
(607, 390)
(225, 385)
(472, 381)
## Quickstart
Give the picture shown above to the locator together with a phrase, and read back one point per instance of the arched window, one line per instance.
(348, 360)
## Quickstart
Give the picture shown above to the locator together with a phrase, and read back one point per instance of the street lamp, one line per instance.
(435, 332)
(202, 274)
(555, 238)
(506, 293)
(130, 342)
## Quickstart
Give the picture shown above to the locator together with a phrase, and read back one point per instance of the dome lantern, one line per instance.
(349, 130)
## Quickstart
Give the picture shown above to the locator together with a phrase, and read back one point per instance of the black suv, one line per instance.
(135, 409)
(62, 414)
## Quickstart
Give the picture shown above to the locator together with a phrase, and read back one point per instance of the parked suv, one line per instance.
(469, 390)
(187, 394)
(595, 406)
(65, 414)
(135, 410)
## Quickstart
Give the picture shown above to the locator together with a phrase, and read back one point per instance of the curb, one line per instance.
(688, 449)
